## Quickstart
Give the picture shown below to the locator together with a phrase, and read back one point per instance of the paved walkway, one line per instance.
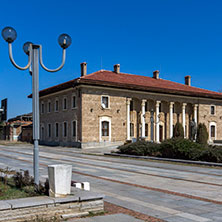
(109, 218)
(171, 192)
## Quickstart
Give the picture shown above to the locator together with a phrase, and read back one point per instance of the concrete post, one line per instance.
(59, 180)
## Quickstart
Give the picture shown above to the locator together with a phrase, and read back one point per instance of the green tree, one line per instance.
(202, 134)
(178, 131)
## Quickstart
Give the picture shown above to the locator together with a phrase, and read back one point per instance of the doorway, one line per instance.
(161, 133)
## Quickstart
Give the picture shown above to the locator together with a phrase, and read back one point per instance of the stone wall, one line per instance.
(92, 112)
(42, 208)
(206, 117)
(62, 115)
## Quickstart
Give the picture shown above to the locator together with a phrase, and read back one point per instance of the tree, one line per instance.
(202, 134)
(178, 131)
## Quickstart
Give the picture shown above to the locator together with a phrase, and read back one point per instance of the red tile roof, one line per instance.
(136, 82)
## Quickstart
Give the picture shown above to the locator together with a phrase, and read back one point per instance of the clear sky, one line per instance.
(177, 37)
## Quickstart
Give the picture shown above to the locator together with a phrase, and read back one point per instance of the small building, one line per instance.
(19, 128)
(108, 108)
(26, 133)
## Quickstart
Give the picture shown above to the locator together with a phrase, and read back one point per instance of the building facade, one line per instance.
(19, 128)
(108, 108)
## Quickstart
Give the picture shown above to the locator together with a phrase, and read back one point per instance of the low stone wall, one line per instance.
(80, 203)
(101, 145)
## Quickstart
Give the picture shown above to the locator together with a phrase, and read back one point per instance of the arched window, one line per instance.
(42, 133)
(65, 129)
(105, 128)
(212, 110)
(212, 131)
(56, 130)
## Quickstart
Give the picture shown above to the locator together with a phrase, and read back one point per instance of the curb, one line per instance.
(166, 159)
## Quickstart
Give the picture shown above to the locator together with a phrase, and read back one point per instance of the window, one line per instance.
(212, 131)
(56, 105)
(131, 105)
(146, 129)
(105, 102)
(49, 130)
(42, 108)
(65, 129)
(131, 129)
(56, 130)
(65, 103)
(42, 132)
(74, 102)
(212, 110)
(74, 128)
(49, 107)
(105, 128)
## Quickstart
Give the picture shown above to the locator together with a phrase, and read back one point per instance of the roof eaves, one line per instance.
(150, 89)
(57, 88)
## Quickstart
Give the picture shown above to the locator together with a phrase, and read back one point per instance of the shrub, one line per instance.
(178, 131)
(26, 182)
(43, 189)
(180, 148)
(140, 148)
(202, 134)
(177, 148)
(211, 154)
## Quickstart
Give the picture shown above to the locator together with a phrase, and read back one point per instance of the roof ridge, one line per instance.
(82, 77)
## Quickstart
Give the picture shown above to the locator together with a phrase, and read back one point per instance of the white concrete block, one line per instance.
(86, 186)
(78, 185)
(59, 180)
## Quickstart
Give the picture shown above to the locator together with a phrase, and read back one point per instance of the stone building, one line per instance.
(19, 128)
(107, 108)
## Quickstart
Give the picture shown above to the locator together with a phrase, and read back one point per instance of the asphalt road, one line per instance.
(171, 192)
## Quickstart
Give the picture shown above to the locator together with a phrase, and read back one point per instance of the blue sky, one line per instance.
(177, 37)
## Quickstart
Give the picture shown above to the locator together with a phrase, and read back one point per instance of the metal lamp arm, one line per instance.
(52, 70)
(13, 61)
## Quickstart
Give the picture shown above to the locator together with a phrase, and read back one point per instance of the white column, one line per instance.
(171, 119)
(184, 118)
(143, 117)
(128, 117)
(195, 113)
(157, 122)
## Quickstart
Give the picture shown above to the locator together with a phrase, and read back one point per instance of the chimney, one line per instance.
(156, 74)
(117, 68)
(188, 80)
(83, 68)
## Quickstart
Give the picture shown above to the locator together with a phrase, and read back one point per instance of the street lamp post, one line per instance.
(34, 53)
